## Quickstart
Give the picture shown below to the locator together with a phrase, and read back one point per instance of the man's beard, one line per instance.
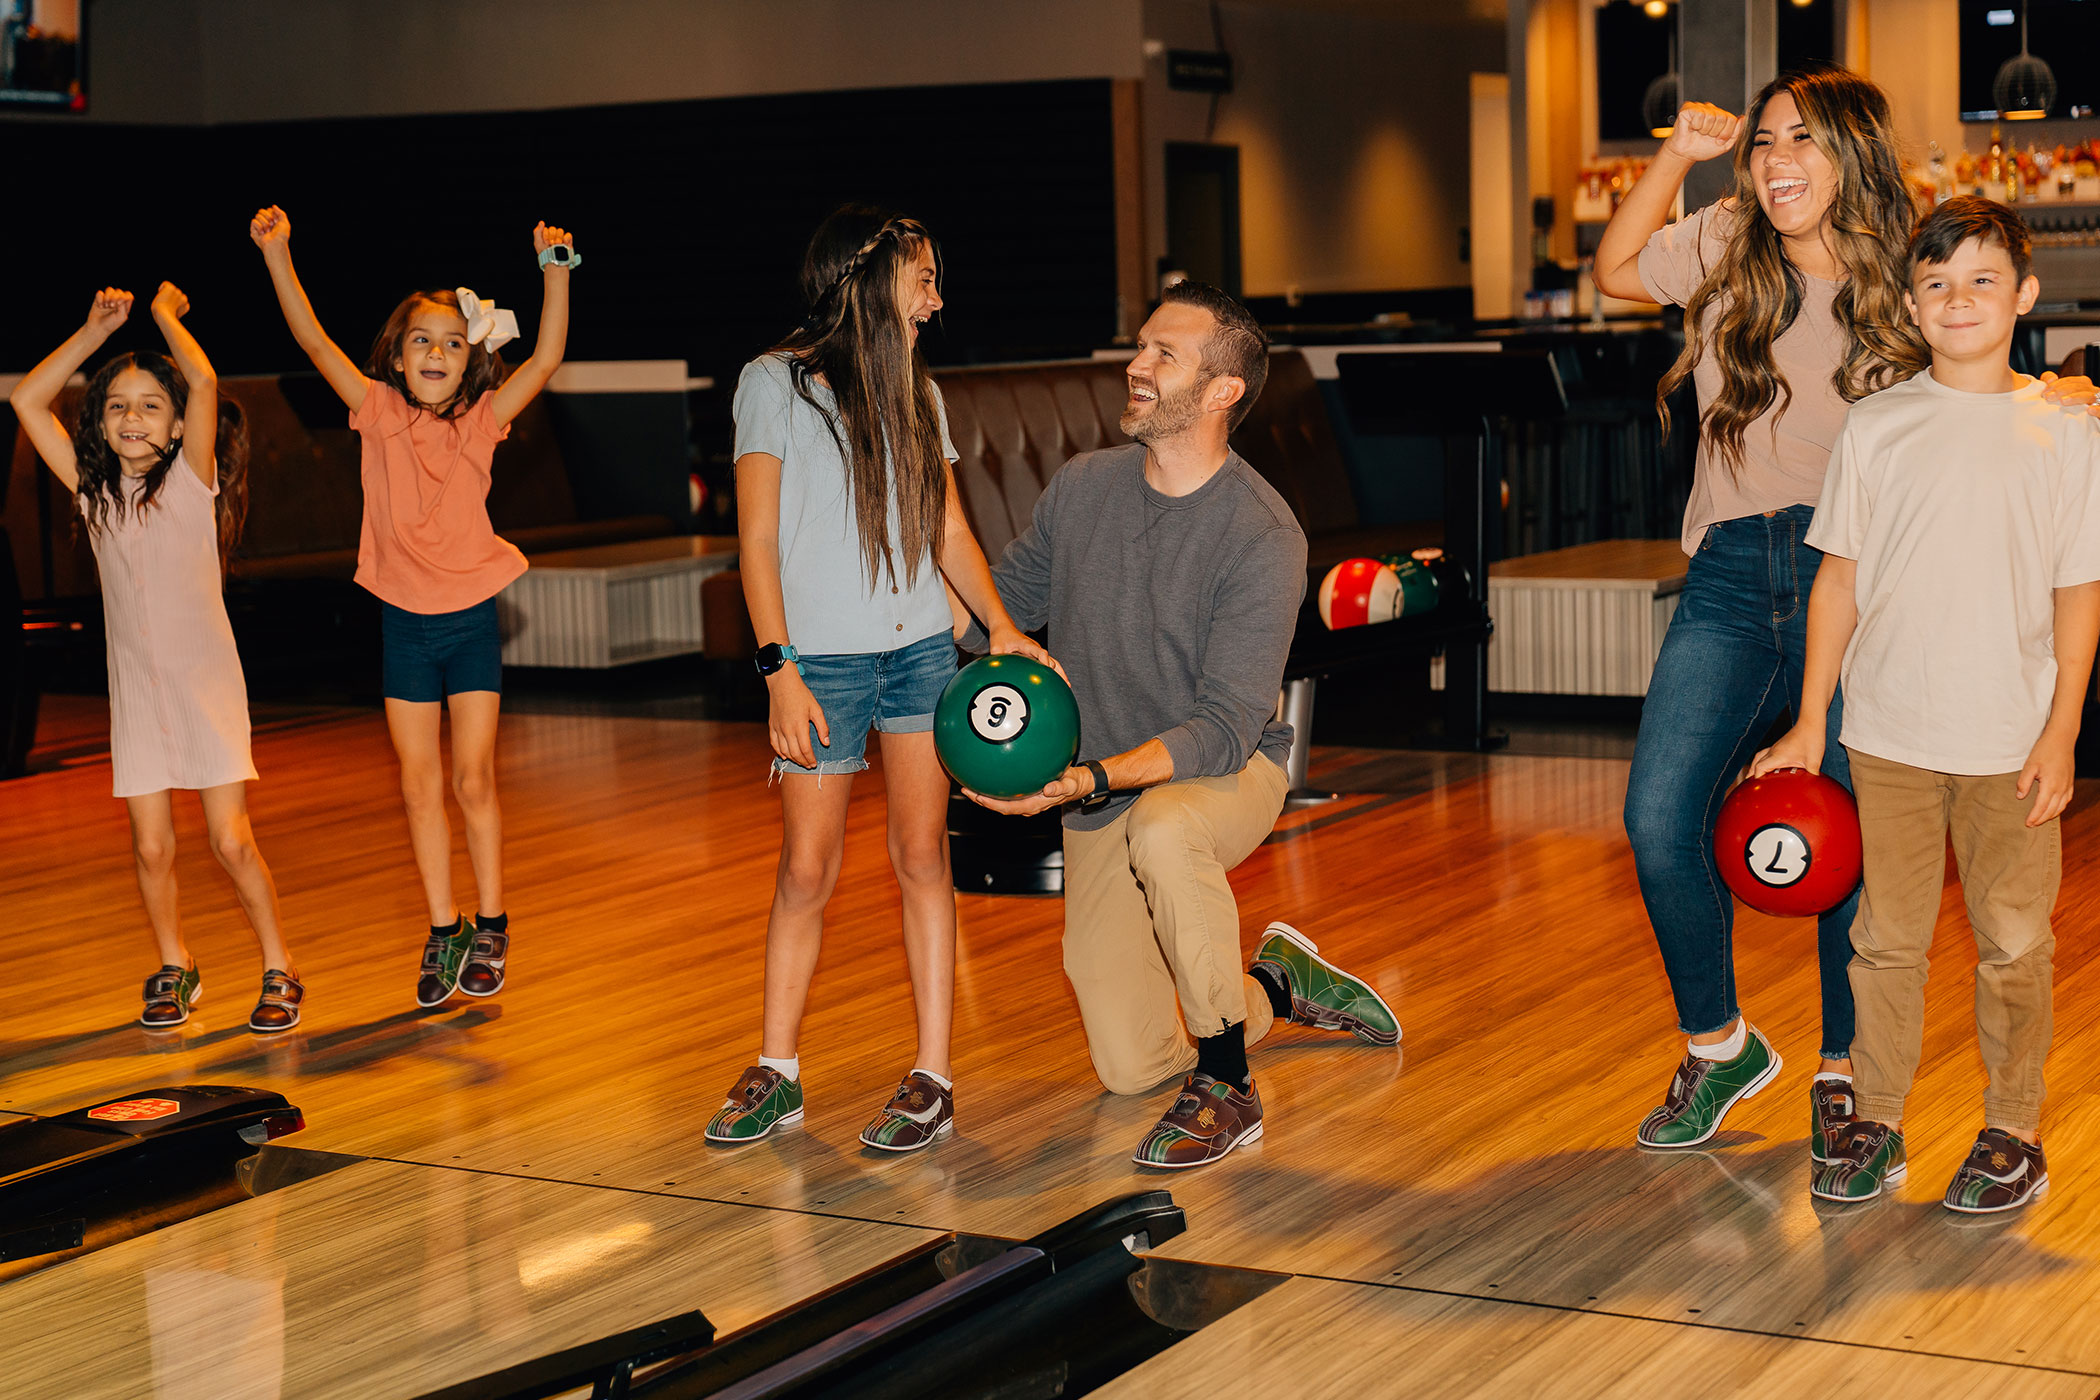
(1171, 416)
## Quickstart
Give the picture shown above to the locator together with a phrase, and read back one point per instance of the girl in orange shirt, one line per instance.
(431, 404)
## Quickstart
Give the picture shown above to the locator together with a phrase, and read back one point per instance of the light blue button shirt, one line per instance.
(831, 609)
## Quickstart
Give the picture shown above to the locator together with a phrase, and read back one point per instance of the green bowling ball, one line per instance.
(1006, 726)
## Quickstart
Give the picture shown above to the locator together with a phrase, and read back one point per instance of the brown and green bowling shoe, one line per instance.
(1830, 1116)
(169, 994)
(444, 954)
(1209, 1118)
(763, 1099)
(1702, 1091)
(920, 1114)
(1868, 1163)
(1322, 995)
(2000, 1173)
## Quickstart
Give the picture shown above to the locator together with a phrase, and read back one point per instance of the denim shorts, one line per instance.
(429, 656)
(893, 692)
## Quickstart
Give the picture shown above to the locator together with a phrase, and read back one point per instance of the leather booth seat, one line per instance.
(1015, 425)
(305, 501)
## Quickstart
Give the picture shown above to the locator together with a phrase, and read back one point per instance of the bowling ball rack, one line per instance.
(968, 1317)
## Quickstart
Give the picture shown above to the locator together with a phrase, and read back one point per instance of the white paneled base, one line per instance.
(1575, 641)
(1563, 637)
(604, 617)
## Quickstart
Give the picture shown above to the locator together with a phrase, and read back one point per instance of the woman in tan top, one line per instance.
(1793, 296)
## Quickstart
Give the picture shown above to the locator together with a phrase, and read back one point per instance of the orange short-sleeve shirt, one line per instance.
(427, 544)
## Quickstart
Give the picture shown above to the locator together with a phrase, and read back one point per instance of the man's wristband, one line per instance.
(1098, 798)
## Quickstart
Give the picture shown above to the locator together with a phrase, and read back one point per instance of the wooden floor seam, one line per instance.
(1462, 1296)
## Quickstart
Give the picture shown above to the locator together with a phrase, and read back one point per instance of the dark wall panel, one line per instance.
(692, 217)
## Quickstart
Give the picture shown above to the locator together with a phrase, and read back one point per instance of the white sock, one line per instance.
(946, 1083)
(1833, 1074)
(790, 1068)
(1729, 1048)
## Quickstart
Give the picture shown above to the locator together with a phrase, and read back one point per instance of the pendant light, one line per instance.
(1660, 102)
(2024, 89)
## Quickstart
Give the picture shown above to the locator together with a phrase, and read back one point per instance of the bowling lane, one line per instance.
(385, 1279)
(1319, 1336)
(1491, 900)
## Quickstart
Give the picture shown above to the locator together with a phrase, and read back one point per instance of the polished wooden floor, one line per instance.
(1466, 1215)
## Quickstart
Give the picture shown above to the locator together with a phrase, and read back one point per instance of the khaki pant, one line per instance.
(1150, 922)
(2009, 877)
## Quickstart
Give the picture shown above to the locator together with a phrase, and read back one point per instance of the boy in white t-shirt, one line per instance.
(1960, 590)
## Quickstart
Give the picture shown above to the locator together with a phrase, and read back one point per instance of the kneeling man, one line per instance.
(1170, 575)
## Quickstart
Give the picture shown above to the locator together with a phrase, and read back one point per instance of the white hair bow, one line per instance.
(486, 324)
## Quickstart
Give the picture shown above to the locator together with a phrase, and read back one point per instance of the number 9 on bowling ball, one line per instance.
(1788, 843)
(1006, 726)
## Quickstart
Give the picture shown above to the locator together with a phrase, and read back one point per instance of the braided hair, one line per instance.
(884, 411)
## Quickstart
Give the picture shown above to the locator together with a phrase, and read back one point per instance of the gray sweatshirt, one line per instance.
(1171, 614)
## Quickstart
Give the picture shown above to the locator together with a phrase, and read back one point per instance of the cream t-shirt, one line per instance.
(1964, 511)
(1785, 449)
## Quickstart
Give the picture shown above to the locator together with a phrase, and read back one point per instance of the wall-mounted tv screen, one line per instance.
(43, 61)
(2065, 34)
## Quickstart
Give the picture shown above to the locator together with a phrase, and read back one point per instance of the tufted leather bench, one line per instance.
(1015, 425)
(305, 501)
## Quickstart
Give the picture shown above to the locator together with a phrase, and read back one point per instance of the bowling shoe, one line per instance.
(1868, 1163)
(170, 993)
(1829, 1116)
(1322, 995)
(1702, 1092)
(763, 1099)
(921, 1114)
(1209, 1118)
(482, 976)
(278, 1007)
(2001, 1173)
(443, 957)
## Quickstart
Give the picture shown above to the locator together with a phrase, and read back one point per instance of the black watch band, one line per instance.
(1098, 798)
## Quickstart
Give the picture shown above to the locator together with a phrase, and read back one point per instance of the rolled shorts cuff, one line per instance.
(907, 724)
(825, 767)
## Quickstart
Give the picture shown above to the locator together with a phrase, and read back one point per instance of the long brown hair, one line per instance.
(484, 366)
(102, 473)
(1754, 293)
(887, 422)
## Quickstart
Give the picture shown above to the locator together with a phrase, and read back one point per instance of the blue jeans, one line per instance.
(1730, 666)
(891, 692)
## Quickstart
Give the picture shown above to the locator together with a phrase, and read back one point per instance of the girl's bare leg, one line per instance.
(812, 846)
(414, 726)
(233, 842)
(474, 715)
(918, 803)
(153, 855)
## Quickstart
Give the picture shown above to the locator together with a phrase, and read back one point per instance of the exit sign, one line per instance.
(1198, 70)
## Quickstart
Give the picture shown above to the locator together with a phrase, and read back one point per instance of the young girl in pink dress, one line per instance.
(431, 404)
(155, 461)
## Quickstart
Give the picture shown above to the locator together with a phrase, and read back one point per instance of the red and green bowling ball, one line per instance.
(1359, 592)
(1006, 726)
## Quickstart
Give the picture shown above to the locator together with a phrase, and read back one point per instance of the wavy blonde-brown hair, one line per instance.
(1752, 293)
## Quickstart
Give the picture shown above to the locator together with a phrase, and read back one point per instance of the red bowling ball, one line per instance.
(1788, 843)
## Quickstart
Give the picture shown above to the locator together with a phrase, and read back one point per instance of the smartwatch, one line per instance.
(1098, 798)
(772, 656)
(561, 255)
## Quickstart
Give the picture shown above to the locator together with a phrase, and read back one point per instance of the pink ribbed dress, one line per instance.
(178, 703)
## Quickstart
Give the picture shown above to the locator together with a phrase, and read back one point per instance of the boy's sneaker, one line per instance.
(2002, 1173)
(1830, 1117)
(1702, 1092)
(1322, 995)
(764, 1099)
(482, 976)
(922, 1113)
(1209, 1118)
(1868, 1163)
(443, 957)
(170, 993)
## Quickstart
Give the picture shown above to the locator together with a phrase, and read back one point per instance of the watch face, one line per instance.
(559, 252)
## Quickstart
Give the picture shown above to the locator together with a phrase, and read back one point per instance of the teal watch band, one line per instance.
(561, 253)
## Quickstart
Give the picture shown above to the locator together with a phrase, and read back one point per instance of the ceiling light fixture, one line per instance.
(2025, 88)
